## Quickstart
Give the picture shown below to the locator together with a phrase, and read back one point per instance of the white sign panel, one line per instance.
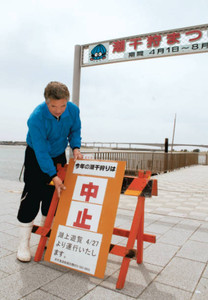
(151, 45)
(90, 189)
(84, 215)
(70, 243)
(96, 168)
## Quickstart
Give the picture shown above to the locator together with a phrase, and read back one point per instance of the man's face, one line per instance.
(57, 107)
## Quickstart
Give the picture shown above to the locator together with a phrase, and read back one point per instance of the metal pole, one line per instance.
(173, 133)
(76, 75)
(166, 145)
(76, 80)
(166, 156)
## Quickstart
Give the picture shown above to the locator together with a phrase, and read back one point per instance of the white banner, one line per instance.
(158, 44)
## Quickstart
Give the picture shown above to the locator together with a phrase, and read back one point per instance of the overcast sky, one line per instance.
(123, 102)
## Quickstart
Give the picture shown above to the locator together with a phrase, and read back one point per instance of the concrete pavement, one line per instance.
(176, 267)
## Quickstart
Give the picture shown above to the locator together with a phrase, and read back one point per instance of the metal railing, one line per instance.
(154, 161)
(136, 146)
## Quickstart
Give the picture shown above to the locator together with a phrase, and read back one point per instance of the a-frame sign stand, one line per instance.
(141, 186)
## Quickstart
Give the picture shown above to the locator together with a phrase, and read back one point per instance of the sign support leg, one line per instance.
(133, 234)
(140, 236)
(43, 231)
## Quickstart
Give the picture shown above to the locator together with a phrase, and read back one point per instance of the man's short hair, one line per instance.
(56, 90)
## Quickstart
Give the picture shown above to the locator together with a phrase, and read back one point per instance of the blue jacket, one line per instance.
(49, 137)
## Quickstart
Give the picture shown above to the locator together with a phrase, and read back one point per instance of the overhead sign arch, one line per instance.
(180, 41)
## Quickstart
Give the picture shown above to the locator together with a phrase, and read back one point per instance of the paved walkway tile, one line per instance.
(40, 295)
(172, 237)
(197, 215)
(11, 244)
(5, 226)
(9, 264)
(194, 250)
(201, 292)
(104, 294)
(4, 252)
(187, 225)
(26, 281)
(158, 291)
(159, 227)
(4, 237)
(170, 220)
(50, 265)
(113, 264)
(151, 218)
(182, 273)
(72, 285)
(138, 277)
(205, 274)
(201, 234)
(159, 254)
(3, 274)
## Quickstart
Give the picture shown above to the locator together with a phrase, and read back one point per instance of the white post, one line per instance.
(76, 80)
(76, 75)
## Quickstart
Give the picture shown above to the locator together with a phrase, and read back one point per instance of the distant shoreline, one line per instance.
(13, 143)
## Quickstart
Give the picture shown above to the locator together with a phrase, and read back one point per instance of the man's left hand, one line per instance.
(77, 154)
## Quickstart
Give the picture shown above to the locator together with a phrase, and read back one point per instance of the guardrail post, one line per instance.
(166, 156)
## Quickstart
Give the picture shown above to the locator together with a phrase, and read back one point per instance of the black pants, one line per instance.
(36, 190)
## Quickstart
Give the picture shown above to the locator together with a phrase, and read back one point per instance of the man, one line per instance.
(51, 126)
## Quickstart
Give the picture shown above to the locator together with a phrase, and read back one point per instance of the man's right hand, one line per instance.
(58, 185)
